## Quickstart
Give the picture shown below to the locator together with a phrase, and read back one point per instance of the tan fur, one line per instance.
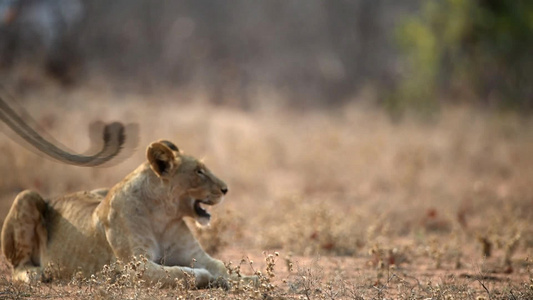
(141, 215)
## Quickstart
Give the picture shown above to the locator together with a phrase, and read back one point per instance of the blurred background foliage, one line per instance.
(476, 51)
(411, 54)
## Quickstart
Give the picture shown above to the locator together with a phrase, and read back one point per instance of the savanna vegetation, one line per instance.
(311, 112)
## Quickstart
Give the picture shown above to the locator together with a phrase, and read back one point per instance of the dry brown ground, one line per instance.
(362, 207)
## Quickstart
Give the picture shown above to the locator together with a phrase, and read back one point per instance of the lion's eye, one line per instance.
(200, 172)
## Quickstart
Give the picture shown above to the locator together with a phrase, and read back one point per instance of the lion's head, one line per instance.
(189, 181)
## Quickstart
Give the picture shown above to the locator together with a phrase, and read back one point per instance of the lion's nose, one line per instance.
(224, 190)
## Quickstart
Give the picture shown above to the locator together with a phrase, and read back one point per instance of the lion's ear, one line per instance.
(161, 158)
(170, 145)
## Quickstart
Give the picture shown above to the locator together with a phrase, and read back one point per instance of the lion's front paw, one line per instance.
(246, 280)
(251, 280)
(220, 282)
(204, 279)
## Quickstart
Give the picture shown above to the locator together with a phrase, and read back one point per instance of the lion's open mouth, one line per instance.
(199, 210)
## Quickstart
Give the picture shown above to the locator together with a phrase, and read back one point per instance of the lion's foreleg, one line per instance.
(171, 276)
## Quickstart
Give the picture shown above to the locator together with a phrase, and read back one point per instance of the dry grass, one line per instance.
(356, 206)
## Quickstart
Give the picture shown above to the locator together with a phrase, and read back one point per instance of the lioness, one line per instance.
(143, 215)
